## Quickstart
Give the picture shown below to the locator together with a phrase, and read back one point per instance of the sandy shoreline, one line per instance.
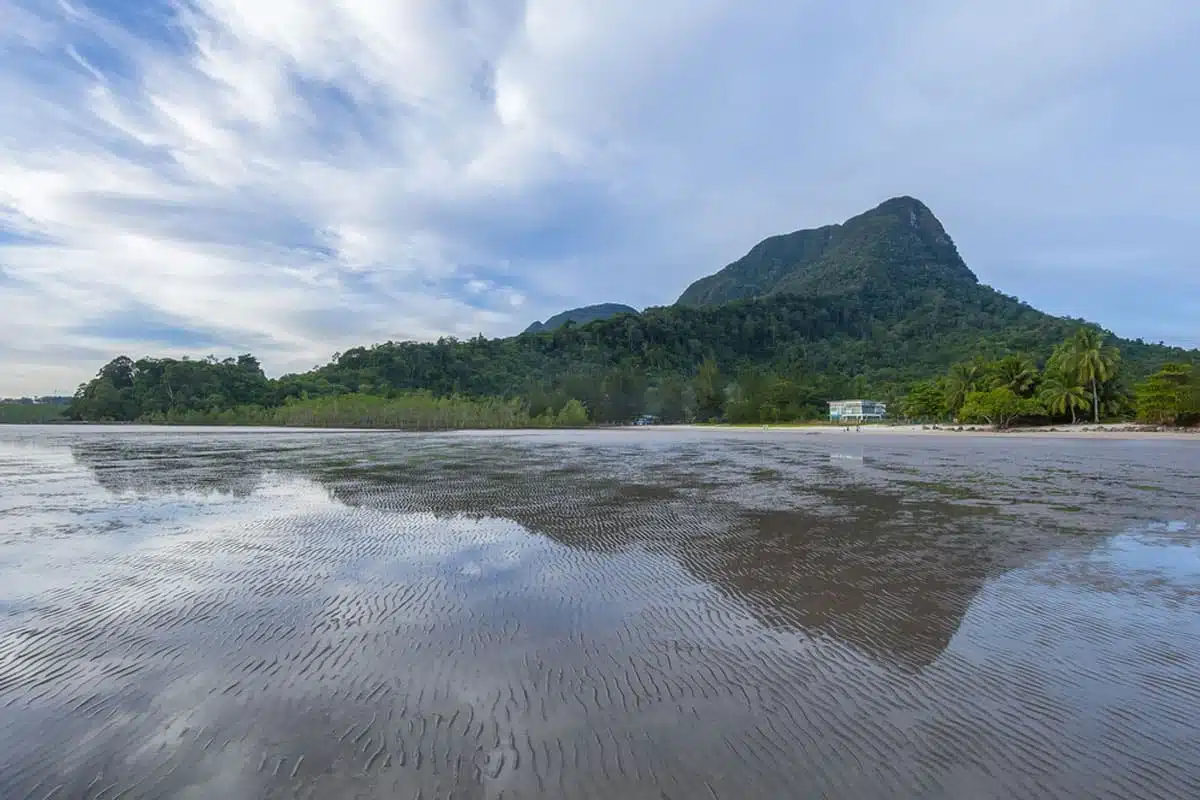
(1117, 431)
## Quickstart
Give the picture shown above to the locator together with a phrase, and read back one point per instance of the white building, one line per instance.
(856, 410)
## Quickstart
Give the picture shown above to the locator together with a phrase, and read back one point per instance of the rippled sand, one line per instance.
(665, 614)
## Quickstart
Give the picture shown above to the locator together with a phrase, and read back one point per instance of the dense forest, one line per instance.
(880, 307)
(738, 362)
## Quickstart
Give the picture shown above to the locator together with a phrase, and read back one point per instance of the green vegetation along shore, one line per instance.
(404, 411)
(31, 413)
(1082, 379)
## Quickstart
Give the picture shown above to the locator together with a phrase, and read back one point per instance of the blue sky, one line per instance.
(296, 178)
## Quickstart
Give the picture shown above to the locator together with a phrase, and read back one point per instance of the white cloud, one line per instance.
(301, 177)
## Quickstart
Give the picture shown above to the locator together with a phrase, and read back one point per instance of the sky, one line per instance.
(294, 178)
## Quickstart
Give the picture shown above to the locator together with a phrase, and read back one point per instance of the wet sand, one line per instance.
(595, 614)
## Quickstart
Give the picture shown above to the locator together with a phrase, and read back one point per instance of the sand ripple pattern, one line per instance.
(655, 616)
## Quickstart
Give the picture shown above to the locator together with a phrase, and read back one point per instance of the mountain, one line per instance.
(898, 245)
(581, 316)
(861, 309)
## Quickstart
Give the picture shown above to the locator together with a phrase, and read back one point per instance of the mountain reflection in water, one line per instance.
(595, 614)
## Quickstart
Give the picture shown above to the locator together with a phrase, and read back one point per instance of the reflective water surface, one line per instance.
(608, 614)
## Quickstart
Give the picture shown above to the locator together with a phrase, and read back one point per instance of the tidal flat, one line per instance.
(239, 613)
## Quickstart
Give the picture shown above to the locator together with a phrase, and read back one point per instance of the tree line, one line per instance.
(413, 411)
(1082, 379)
(236, 391)
(773, 359)
(30, 413)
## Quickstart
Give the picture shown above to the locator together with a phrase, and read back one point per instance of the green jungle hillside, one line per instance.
(869, 308)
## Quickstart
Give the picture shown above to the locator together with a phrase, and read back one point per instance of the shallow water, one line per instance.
(634, 614)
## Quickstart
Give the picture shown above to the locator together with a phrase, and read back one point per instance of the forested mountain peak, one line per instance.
(581, 316)
(878, 306)
(898, 244)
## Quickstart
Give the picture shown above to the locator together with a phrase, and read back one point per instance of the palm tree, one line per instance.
(1060, 394)
(1093, 362)
(1015, 372)
(964, 378)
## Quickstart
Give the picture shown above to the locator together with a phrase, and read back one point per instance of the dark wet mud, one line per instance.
(625, 614)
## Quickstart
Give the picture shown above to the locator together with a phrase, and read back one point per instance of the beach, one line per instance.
(1115, 431)
(626, 612)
